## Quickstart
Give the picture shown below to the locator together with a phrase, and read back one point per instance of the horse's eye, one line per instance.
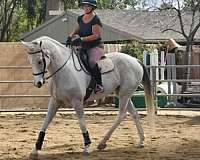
(40, 62)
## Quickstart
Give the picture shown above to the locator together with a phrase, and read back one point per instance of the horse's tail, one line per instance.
(149, 100)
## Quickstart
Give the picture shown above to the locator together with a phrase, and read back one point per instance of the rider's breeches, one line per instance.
(95, 55)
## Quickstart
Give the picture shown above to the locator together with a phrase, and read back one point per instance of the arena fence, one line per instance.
(172, 93)
(16, 81)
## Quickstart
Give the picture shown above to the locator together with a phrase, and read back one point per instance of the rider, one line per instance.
(89, 29)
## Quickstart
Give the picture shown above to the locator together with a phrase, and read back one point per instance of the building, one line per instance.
(118, 25)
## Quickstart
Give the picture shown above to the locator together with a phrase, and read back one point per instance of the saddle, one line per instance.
(105, 65)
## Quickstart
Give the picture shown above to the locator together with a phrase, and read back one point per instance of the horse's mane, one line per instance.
(46, 38)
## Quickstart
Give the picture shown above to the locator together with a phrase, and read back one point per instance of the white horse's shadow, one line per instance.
(67, 85)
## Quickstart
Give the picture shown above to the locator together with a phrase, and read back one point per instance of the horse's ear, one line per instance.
(26, 44)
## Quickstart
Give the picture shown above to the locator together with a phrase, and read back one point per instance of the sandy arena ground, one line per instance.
(176, 138)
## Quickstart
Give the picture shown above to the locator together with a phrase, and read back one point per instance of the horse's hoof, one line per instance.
(33, 156)
(140, 145)
(101, 146)
(86, 153)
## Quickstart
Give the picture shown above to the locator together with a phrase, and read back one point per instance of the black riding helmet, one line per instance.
(90, 2)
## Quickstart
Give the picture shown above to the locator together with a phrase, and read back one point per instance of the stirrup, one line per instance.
(98, 89)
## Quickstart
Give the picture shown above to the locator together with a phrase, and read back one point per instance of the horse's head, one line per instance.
(39, 60)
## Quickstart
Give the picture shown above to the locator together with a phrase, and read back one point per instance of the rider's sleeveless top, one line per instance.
(86, 30)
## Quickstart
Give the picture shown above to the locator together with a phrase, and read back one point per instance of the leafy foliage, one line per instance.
(135, 49)
(7, 9)
(117, 4)
(71, 4)
(19, 16)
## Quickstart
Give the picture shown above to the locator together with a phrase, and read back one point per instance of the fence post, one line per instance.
(162, 63)
(173, 60)
(171, 74)
(154, 62)
(146, 61)
(153, 82)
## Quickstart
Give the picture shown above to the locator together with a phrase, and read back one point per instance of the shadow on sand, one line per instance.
(189, 150)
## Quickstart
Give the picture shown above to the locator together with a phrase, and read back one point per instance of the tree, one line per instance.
(120, 4)
(105, 4)
(19, 16)
(188, 14)
(71, 4)
(7, 8)
(36, 12)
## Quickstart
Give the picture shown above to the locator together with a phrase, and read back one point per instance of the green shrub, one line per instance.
(135, 49)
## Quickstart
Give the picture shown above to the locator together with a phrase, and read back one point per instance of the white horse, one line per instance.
(67, 85)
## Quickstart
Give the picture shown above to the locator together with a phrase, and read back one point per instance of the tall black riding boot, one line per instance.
(97, 76)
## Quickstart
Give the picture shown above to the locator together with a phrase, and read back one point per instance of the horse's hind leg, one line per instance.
(52, 109)
(132, 110)
(121, 115)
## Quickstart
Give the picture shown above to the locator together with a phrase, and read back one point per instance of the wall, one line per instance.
(13, 54)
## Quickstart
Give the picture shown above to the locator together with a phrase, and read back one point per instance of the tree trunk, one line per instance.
(8, 12)
(187, 61)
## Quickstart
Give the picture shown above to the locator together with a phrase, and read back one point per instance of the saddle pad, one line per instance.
(106, 65)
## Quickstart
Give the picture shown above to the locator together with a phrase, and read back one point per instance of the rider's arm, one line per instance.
(96, 32)
(75, 31)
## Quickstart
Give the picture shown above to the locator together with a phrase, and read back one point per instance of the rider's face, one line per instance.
(87, 8)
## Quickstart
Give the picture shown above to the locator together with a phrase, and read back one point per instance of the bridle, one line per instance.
(44, 62)
(73, 50)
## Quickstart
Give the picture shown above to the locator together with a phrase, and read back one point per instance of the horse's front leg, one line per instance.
(78, 106)
(52, 109)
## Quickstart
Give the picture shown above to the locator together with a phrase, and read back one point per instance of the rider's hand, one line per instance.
(68, 41)
(76, 41)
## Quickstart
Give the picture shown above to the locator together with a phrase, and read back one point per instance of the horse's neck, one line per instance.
(58, 55)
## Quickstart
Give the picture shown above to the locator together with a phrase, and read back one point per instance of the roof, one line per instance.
(145, 26)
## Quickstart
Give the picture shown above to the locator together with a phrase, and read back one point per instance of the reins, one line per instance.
(73, 51)
(79, 61)
(59, 68)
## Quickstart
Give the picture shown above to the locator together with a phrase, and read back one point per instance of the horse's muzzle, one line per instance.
(39, 84)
